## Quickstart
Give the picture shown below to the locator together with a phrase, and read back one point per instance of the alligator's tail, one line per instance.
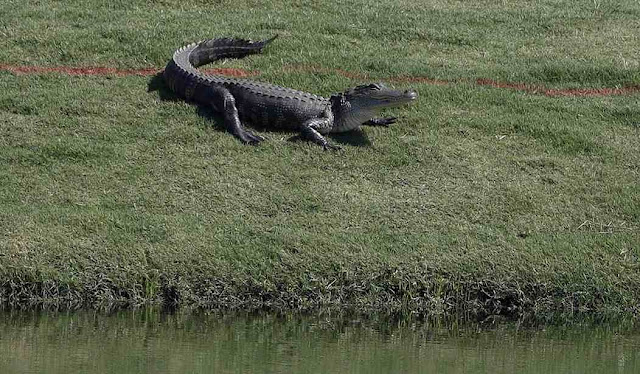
(181, 73)
(215, 49)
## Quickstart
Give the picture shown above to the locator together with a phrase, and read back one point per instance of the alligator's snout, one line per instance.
(411, 94)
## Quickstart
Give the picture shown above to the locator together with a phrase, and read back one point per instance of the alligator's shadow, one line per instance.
(157, 84)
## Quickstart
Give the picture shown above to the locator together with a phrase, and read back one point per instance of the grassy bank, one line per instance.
(480, 200)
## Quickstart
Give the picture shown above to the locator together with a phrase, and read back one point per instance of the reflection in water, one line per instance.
(149, 342)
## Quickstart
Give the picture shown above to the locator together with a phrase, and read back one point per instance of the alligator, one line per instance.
(245, 101)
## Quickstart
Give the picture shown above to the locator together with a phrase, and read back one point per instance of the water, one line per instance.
(147, 342)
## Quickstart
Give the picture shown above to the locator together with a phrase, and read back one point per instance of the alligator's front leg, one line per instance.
(310, 131)
(224, 103)
(380, 121)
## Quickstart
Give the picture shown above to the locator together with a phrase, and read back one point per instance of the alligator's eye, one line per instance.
(365, 88)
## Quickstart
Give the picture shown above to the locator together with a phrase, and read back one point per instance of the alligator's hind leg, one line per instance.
(224, 103)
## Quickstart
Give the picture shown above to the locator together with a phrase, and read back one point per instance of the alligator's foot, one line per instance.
(247, 137)
(381, 121)
(331, 147)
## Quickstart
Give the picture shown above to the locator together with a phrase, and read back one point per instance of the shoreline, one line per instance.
(390, 290)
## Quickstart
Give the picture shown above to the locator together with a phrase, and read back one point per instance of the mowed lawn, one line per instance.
(480, 200)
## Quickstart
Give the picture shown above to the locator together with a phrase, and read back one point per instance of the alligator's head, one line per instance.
(359, 104)
(377, 96)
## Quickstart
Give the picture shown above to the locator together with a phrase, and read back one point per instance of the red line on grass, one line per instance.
(242, 73)
(364, 76)
(480, 82)
(102, 71)
(559, 92)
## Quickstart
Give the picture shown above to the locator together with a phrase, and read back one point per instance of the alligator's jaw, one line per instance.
(393, 98)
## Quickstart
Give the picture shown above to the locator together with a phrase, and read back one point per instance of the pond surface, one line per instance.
(149, 342)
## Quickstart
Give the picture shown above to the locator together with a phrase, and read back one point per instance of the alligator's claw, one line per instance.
(381, 121)
(331, 147)
(248, 137)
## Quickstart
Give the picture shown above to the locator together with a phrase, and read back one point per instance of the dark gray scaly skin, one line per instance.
(270, 106)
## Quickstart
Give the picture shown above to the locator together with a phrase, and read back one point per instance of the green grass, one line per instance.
(479, 201)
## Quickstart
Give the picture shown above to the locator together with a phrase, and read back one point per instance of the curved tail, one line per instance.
(181, 74)
(215, 49)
